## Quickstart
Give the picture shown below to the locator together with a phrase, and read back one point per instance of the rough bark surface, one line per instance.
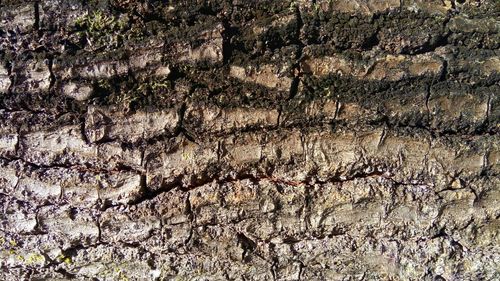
(250, 140)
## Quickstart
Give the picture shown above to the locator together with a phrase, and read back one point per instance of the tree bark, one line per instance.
(249, 140)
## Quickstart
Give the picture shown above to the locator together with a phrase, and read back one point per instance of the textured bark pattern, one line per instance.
(250, 140)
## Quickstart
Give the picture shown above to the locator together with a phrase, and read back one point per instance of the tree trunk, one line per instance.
(249, 140)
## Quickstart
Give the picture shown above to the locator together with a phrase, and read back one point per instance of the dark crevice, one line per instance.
(83, 130)
(240, 176)
(294, 88)
(280, 113)
(444, 73)
(191, 216)
(227, 35)
(188, 135)
(302, 266)
(219, 151)
(247, 244)
(36, 25)
(371, 41)
(148, 194)
(427, 98)
(274, 267)
(65, 273)
(429, 46)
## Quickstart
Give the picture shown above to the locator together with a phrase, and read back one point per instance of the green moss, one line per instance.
(101, 29)
(133, 94)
